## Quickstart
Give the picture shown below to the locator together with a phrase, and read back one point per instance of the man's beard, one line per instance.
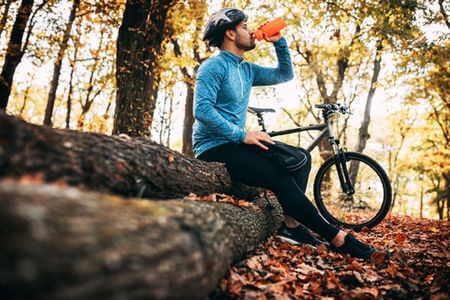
(244, 46)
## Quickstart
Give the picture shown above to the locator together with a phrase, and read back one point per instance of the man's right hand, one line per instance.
(256, 137)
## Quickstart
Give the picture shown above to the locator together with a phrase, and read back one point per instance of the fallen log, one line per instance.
(69, 243)
(66, 243)
(126, 166)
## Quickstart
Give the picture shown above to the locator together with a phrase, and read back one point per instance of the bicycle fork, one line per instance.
(340, 162)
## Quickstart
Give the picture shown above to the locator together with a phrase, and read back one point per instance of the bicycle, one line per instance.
(350, 189)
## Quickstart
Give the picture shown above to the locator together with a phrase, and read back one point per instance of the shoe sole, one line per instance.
(294, 242)
(288, 240)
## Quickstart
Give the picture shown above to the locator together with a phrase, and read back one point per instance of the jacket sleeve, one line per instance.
(282, 73)
(207, 86)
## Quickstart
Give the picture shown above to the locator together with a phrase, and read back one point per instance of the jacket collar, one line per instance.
(231, 56)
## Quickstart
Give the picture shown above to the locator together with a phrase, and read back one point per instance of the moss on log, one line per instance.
(66, 243)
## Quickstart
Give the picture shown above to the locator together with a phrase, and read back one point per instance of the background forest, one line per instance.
(65, 64)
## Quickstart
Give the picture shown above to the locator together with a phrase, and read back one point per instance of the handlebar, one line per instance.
(333, 107)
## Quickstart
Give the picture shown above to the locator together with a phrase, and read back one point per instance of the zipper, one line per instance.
(242, 85)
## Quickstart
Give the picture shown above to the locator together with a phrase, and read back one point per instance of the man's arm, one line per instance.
(207, 86)
(282, 73)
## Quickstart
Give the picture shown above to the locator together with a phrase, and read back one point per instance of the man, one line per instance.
(222, 91)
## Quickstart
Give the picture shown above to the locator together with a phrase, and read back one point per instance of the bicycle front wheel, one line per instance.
(370, 202)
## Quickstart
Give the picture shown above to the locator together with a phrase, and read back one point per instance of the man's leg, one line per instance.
(253, 170)
(249, 168)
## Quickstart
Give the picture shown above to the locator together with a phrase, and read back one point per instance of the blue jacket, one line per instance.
(222, 90)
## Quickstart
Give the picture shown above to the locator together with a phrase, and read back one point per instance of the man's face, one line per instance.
(244, 39)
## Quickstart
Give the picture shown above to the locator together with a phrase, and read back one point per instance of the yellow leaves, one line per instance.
(432, 229)
(384, 43)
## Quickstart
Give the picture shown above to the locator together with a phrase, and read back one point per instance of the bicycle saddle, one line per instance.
(256, 110)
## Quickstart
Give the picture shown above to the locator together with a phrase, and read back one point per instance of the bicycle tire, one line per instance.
(375, 191)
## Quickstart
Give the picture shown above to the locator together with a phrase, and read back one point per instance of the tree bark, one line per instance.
(65, 243)
(130, 167)
(14, 52)
(139, 46)
(57, 67)
(188, 120)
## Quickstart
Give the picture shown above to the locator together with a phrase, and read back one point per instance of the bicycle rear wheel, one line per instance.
(369, 204)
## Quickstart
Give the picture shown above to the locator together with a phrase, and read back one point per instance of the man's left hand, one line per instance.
(273, 39)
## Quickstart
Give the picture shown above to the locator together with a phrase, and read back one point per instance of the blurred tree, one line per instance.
(334, 43)
(58, 62)
(5, 5)
(188, 55)
(430, 89)
(144, 30)
(14, 52)
(70, 92)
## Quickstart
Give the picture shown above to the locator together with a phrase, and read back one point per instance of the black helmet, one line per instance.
(220, 21)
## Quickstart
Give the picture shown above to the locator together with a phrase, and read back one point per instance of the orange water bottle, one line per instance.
(270, 28)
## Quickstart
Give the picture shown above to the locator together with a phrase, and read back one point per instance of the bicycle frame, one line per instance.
(338, 151)
(322, 126)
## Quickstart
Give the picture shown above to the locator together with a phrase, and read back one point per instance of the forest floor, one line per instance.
(418, 269)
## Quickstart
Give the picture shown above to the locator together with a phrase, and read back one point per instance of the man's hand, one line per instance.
(273, 39)
(256, 137)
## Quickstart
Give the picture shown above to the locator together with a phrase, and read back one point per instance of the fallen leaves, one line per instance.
(221, 198)
(418, 268)
(378, 258)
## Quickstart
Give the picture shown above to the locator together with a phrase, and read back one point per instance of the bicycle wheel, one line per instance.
(369, 204)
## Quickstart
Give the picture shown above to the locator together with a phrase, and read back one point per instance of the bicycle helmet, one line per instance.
(220, 21)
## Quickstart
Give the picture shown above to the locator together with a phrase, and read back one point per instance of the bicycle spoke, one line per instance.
(362, 207)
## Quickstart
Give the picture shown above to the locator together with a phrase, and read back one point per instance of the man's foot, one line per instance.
(357, 249)
(297, 235)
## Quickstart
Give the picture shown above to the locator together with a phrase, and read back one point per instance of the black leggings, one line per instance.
(247, 167)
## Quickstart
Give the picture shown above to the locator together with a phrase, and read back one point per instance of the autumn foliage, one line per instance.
(419, 267)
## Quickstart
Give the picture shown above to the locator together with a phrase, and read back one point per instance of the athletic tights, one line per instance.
(247, 167)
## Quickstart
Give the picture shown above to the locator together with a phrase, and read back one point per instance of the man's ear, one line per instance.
(230, 34)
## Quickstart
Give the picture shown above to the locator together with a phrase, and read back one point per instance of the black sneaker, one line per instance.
(297, 235)
(357, 249)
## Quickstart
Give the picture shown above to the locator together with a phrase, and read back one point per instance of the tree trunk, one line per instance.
(14, 52)
(444, 14)
(421, 202)
(139, 47)
(65, 243)
(25, 96)
(169, 122)
(188, 120)
(70, 93)
(86, 106)
(364, 129)
(447, 192)
(188, 78)
(57, 67)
